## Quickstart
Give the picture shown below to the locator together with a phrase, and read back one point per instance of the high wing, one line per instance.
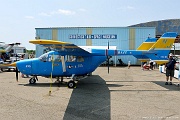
(64, 48)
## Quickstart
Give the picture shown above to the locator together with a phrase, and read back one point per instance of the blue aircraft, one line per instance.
(69, 60)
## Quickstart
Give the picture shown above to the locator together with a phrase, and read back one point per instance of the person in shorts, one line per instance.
(170, 67)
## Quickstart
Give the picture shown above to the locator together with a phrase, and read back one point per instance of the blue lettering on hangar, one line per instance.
(96, 36)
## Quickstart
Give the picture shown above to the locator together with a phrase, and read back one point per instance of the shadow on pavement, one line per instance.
(173, 87)
(91, 100)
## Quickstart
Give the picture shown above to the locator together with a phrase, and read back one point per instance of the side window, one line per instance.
(24, 50)
(57, 58)
(80, 59)
(70, 58)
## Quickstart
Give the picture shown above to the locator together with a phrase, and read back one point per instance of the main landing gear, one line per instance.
(33, 80)
(71, 83)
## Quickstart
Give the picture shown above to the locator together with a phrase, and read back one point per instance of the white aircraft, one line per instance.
(6, 47)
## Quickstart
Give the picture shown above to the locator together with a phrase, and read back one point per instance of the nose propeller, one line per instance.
(16, 74)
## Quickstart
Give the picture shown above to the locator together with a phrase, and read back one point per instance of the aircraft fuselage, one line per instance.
(64, 66)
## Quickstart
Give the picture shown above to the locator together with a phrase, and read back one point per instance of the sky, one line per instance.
(19, 18)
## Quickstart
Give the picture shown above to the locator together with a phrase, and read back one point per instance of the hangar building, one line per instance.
(126, 38)
(162, 26)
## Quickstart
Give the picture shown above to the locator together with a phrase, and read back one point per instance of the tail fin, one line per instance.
(160, 50)
(156, 50)
(165, 42)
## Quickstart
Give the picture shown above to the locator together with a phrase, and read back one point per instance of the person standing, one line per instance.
(154, 65)
(129, 64)
(170, 66)
(151, 64)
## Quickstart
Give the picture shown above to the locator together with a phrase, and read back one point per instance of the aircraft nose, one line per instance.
(24, 66)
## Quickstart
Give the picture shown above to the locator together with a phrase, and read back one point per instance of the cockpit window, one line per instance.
(44, 57)
(50, 57)
(58, 58)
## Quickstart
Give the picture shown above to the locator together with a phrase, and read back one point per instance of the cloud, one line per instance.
(126, 8)
(29, 17)
(59, 11)
(65, 12)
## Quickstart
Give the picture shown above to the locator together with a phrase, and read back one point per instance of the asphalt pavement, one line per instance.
(123, 94)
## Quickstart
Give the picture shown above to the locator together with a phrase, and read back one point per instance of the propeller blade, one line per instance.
(16, 74)
(108, 65)
(108, 57)
(108, 45)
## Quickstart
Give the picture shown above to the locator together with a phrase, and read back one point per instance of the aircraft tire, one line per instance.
(32, 80)
(71, 84)
(2, 70)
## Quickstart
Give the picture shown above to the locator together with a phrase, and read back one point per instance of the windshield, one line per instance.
(48, 57)
(44, 57)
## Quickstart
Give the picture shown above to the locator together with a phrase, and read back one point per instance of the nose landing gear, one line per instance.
(33, 80)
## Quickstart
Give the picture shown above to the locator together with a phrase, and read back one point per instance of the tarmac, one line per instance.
(123, 94)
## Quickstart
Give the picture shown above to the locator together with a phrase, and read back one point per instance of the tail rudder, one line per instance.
(160, 50)
(165, 42)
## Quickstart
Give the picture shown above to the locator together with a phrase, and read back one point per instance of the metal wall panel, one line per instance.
(89, 41)
(55, 34)
(44, 33)
(132, 38)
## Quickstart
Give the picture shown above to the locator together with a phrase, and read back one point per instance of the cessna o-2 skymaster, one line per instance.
(69, 60)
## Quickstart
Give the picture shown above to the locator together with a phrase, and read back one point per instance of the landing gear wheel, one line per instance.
(32, 80)
(71, 84)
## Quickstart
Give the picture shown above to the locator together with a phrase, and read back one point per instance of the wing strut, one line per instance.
(63, 64)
